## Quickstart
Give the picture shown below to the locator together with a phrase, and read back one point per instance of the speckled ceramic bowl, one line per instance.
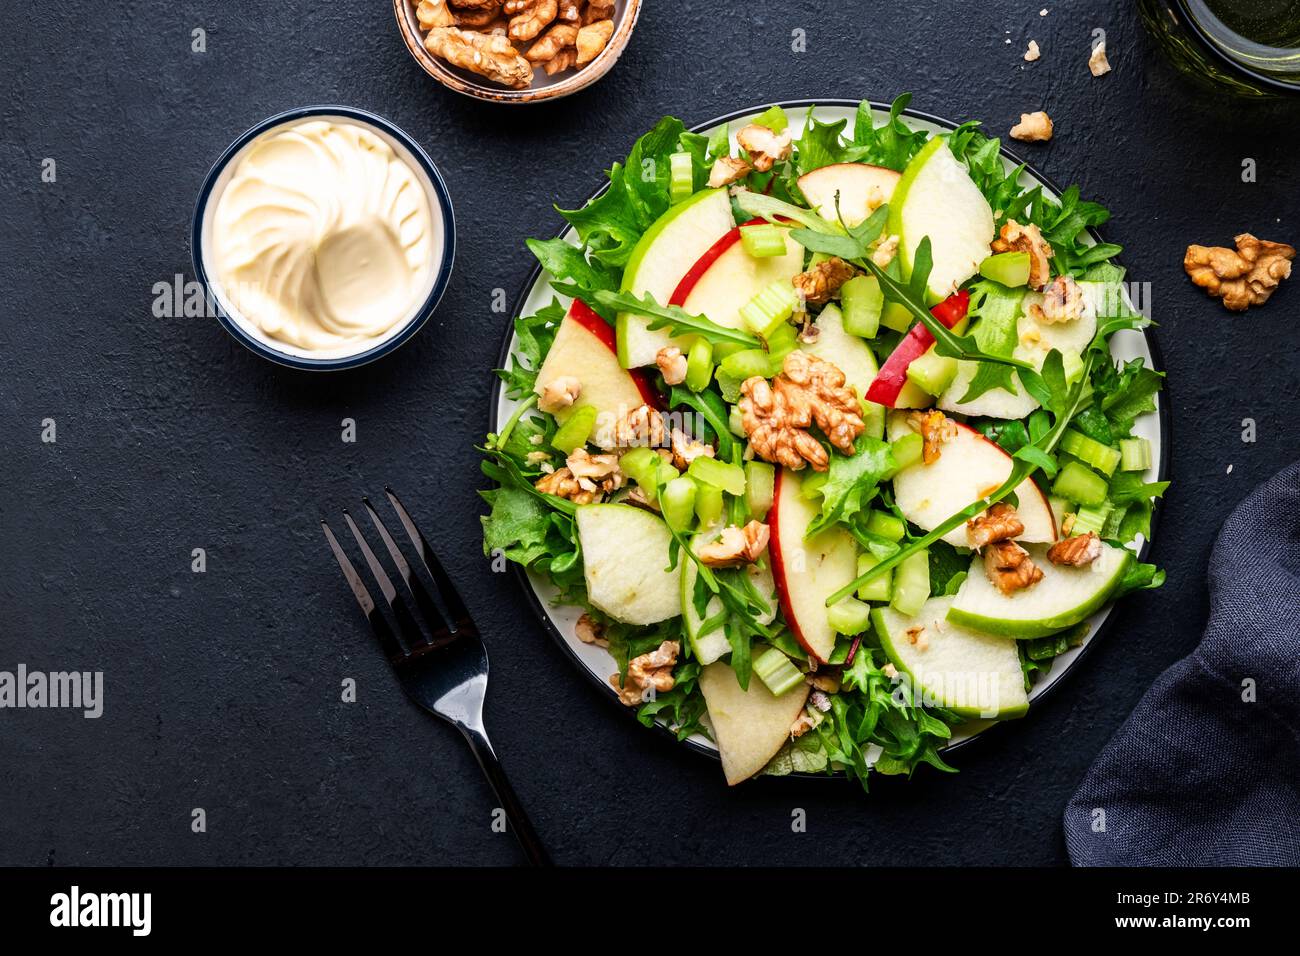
(544, 87)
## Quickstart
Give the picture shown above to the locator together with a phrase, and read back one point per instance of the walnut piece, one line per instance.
(824, 682)
(1032, 53)
(559, 393)
(1097, 62)
(475, 15)
(885, 251)
(935, 428)
(1014, 237)
(999, 523)
(653, 670)
(1009, 567)
(592, 38)
(736, 546)
(598, 10)
(432, 14)
(822, 282)
(590, 631)
(583, 464)
(564, 60)
(1033, 128)
(532, 19)
(563, 484)
(552, 43)
(727, 170)
(776, 415)
(490, 56)
(1241, 278)
(685, 449)
(1062, 302)
(642, 426)
(1076, 552)
(570, 11)
(672, 365)
(804, 723)
(765, 148)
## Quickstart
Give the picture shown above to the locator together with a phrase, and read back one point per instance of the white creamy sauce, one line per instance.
(323, 238)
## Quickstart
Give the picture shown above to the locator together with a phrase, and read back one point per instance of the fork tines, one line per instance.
(444, 615)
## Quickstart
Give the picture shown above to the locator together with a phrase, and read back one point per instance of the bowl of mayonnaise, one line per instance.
(325, 237)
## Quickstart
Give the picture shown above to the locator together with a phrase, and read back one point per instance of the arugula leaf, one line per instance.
(851, 481)
(946, 563)
(995, 310)
(714, 411)
(676, 319)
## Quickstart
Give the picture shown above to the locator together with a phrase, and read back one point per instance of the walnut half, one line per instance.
(1241, 278)
(1009, 567)
(647, 672)
(776, 416)
(490, 56)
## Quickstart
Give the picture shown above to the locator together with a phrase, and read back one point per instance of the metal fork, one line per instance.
(443, 667)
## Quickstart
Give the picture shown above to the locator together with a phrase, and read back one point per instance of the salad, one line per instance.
(823, 433)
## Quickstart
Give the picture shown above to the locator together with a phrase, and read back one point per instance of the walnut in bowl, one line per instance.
(516, 51)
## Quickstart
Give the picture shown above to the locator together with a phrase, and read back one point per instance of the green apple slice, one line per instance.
(660, 259)
(969, 672)
(625, 559)
(937, 198)
(861, 188)
(749, 726)
(709, 647)
(1064, 597)
(848, 353)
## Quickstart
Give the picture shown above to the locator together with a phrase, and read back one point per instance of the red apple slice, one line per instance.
(892, 380)
(584, 349)
(726, 277)
(969, 466)
(862, 189)
(807, 571)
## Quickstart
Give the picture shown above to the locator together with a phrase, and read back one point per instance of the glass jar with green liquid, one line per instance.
(1247, 47)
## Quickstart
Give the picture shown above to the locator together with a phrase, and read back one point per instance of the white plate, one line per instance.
(1125, 345)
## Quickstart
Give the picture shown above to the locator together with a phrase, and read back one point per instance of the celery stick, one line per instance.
(708, 504)
(574, 433)
(776, 671)
(730, 478)
(849, 616)
(678, 503)
(862, 302)
(878, 588)
(763, 240)
(1090, 451)
(911, 583)
(699, 365)
(1079, 484)
(760, 482)
(1134, 454)
(890, 527)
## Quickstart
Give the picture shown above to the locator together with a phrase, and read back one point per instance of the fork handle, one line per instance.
(519, 824)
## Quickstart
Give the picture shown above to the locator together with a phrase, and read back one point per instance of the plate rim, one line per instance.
(1162, 413)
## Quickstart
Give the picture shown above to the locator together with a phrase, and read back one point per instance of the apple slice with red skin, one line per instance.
(726, 277)
(807, 571)
(893, 374)
(862, 188)
(585, 349)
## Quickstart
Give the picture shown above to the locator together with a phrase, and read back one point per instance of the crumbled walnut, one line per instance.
(1067, 523)
(583, 464)
(819, 700)
(653, 670)
(1017, 238)
(552, 43)
(686, 449)
(1009, 567)
(559, 393)
(563, 484)
(824, 682)
(598, 10)
(592, 39)
(590, 631)
(1076, 552)
(915, 633)
(890, 671)
(1032, 53)
(885, 251)
(530, 19)
(672, 364)
(1097, 62)
(765, 147)
(736, 546)
(999, 523)
(1033, 128)
(1062, 302)
(637, 498)
(804, 723)
(1242, 278)
(935, 428)
(642, 426)
(822, 282)
(432, 14)
(727, 170)
(490, 56)
(534, 457)
(776, 415)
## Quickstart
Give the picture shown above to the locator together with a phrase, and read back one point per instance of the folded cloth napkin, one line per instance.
(1206, 770)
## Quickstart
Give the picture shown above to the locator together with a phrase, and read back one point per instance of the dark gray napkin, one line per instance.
(1206, 770)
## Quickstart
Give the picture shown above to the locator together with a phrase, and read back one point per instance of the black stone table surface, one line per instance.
(223, 688)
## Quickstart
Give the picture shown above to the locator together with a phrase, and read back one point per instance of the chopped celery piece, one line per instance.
(932, 372)
(574, 433)
(646, 467)
(907, 451)
(1072, 363)
(896, 316)
(849, 616)
(699, 365)
(772, 306)
(1009, 268)
(723, 349)
(911, 583)
(811, 487)
(1090, 451)
(776, 671)
(1079, 484)
(730, 478)
(781, 341)
(681, 177)
(1091, 518)
(1134, 454)
(873, 416)
(708, 504)
(773, 118)
(862, 300)
(763, 240)
(890, 527)
(748, 363)
(735, 422)
(760, 482)
(878, 588)
(678, 503)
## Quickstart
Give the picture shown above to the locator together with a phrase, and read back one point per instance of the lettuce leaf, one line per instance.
(851, 481)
